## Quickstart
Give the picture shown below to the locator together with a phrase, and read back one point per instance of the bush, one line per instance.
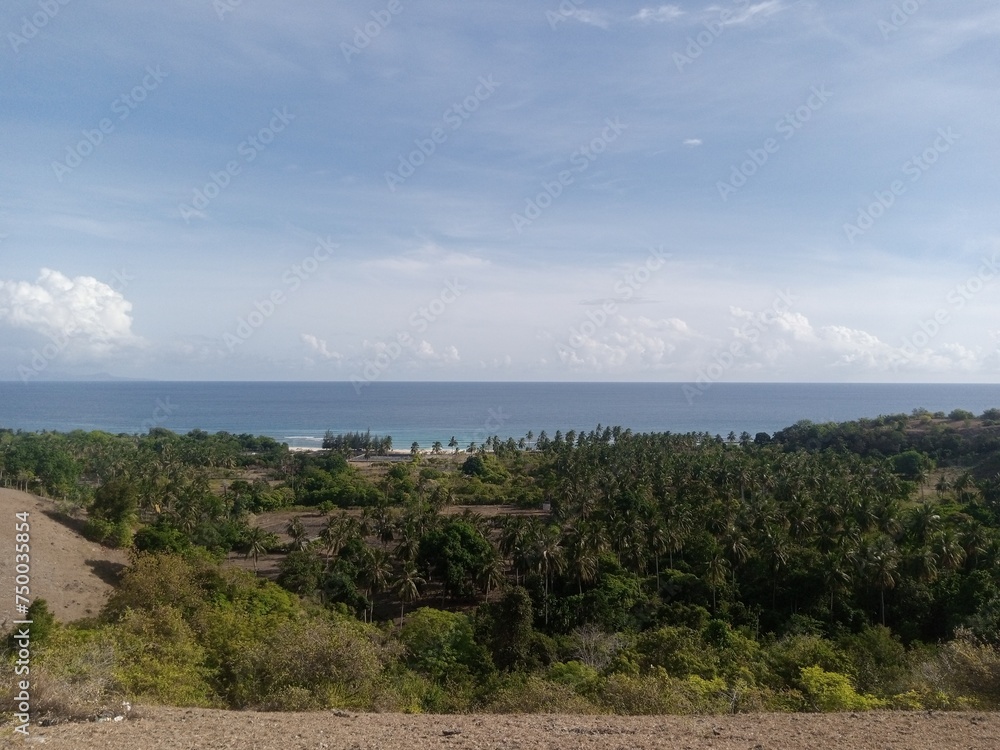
(72, 676)
(832, 691)
(160, 659)
(966, 667)
(529, 694)
(651, 694)
(583, 679)
(441, 645)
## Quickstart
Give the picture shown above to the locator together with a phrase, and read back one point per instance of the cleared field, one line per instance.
(191, 729)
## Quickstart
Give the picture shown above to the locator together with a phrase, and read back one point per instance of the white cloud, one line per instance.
(692, 142)
(764, 9)
(662, 14)
(91, 316)
(631, 345)
(427, 257)
(318, 347)
(425, 352)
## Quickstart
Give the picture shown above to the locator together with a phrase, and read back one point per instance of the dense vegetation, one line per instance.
(840, 566)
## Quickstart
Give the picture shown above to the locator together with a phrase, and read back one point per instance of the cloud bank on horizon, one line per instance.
(745, 190)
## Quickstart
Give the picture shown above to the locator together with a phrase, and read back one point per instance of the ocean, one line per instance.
(300, 413)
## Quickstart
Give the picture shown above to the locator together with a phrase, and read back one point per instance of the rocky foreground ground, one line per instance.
(174, 728)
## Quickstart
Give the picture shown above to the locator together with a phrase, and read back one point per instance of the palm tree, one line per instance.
(374, 575)
(949, 549)
(335, 534)
(453, 443)
(297, 531)
(716, 573)
(257, 544)
(436, 448)
(836, 576)
(408, 588)
(493, 573)
(513, 534)
(881, 564)
(548, 557)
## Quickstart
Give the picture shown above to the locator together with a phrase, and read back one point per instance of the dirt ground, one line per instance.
(176, 728)
(72, 574)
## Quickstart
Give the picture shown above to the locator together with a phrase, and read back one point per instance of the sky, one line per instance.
(586, 190)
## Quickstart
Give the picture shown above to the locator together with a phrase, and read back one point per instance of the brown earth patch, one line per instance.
(71, 573)
(193, 729)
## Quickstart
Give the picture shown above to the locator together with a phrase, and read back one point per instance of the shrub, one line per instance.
(533, 694)
(965, 667)
(72, 676)
(650, 694)
(832, 691)
(441, 645)
(584, 679)
(160, 659)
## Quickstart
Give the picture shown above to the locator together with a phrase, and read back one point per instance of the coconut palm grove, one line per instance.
(824, 567)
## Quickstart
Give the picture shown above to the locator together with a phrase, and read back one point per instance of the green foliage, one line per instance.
(161, 538)
(505, 627)
(911, 465)
(301, 571)
(583, 679)
(522, 693)
(675, 573)
(160, 659)
(454, 554)
(831, 691)
(441, 645)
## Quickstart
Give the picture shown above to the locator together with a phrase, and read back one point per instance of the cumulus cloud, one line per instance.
(318, 347)
(425, 351)
(91, 316)
(632, 344)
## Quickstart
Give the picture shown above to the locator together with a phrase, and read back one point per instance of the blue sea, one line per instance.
(300, 413)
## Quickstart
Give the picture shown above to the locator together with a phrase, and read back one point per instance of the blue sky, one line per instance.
(758, 190)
